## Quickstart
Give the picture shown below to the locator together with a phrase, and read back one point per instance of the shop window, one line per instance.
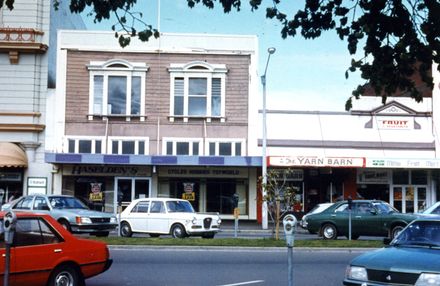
(400, 177)
(220, 196)
(173, 146)
(419, 177)
(127, 146)
(117, 87)
(224, 148)
(198, 90)
(87, 146)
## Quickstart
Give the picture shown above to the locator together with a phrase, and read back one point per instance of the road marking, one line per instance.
(244, 283)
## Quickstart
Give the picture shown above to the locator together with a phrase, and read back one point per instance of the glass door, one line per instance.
(409, 199)
(130, 189)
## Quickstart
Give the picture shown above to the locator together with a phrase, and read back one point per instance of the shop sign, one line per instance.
(13, 177)
(96, 192)
(189, 194)
(403, 163)
(205, 172)
(36, 185)
(189, 197)
(373, 176)
(314, 161)
(394, 123)
(106, 170)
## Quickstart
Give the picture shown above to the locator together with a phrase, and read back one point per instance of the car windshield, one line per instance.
(384, 207)
(66, 203)
(434, 209)
(419, 233)
(179, 207)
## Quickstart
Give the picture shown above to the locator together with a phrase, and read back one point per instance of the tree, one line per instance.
(400, 38)
(280, 196)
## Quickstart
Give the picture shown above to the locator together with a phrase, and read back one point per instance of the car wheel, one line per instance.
(208, 235)
(102, 234)
(329, 231)
(126, 230)
(154, 234)
(178, 231)
(65, 275)
(66, 225)
(396, 230)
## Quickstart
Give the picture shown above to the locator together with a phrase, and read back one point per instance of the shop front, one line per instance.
(209, 189)
(96, 185)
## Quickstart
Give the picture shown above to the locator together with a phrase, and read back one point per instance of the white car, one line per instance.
(176, 217)
(432, 210)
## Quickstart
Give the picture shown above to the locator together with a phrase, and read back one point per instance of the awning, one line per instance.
(11, 155)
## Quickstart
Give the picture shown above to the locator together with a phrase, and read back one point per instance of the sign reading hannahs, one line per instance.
(311, 161)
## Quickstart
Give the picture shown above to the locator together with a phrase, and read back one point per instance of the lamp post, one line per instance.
(270, 51)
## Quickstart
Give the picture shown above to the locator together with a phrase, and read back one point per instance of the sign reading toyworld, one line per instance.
(311, 161)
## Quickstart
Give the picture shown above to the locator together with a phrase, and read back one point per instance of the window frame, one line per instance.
(87, 138)
(233, 143)
(117, 67)
(197, 69)
(175, 141)
(120, 139)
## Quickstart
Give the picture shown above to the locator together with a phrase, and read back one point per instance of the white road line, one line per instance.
(244, 283)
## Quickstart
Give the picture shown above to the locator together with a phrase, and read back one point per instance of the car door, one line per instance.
(340, 218)
(36, 249)
(157, 218)
(366, 220)
(138, 216)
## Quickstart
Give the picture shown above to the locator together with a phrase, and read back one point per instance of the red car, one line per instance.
(44, 253)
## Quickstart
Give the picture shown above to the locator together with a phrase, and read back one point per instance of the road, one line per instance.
(222, 267)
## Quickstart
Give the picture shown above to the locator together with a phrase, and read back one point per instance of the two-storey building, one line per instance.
(171, 117)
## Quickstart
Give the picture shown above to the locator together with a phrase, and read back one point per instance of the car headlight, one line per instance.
(357, 273)
(219, 221)
(194, 220)
(428, 279)
(113, 220)
(83, 220)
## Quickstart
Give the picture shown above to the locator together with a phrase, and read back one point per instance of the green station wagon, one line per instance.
(368, 218)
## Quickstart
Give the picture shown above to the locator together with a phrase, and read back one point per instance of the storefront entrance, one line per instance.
(130, 189)
(409, 199)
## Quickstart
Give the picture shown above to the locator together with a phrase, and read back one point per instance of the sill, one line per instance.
(110, 116)
(173, 118)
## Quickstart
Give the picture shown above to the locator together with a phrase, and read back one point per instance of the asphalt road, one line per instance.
(154, 266)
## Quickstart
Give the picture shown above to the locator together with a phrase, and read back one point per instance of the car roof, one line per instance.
(160, 199)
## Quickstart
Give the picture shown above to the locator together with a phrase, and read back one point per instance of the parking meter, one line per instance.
(289, 223)
(9, 222)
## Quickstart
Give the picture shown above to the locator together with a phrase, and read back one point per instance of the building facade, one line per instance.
(376, 151)
(172, 117)
(26, 37)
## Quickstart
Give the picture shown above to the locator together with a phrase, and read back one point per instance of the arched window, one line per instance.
(197, 90)
(117, 88)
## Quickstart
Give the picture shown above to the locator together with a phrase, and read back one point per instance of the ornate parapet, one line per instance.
(21, 40)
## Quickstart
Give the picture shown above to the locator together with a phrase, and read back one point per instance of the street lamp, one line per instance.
(270, 51)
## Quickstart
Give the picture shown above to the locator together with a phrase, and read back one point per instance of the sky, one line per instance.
(302, 74)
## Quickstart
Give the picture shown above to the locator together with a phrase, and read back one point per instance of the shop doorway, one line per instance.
(409, 199)
(129, 189)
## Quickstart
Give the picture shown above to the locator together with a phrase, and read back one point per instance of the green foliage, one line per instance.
(400, 38)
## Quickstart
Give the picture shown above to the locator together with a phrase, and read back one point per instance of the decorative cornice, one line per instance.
(21, 40)
(22, 127)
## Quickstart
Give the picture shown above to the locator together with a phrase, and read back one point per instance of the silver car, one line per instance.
(69, 211)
